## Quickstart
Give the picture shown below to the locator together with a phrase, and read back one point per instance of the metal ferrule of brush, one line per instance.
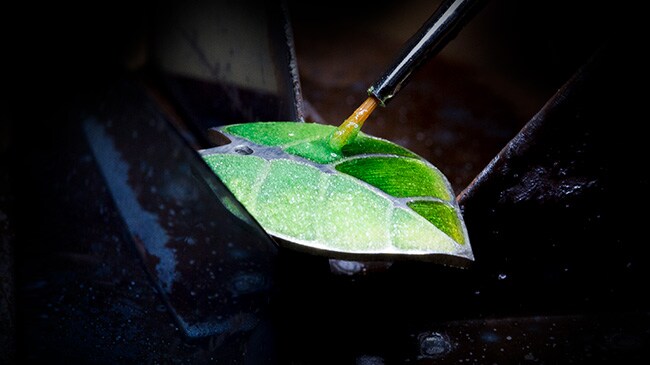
(436, 32)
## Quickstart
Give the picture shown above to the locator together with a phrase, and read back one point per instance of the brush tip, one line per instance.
(350, 128)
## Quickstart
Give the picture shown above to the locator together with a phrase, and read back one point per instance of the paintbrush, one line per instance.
(441, 27)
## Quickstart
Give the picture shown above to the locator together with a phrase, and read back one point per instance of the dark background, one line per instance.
(458, 112)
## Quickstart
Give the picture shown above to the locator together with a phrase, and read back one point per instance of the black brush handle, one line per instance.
(436, 32)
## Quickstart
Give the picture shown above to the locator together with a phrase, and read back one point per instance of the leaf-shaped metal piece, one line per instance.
(371, 198)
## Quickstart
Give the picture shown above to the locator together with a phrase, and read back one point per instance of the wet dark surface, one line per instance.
(211, 262)
(84, 295)
(560, 266)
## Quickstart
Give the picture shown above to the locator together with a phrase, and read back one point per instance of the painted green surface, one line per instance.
(399, 177)
(442, 216)
(278, 133)
(374, 197)
(317, 151)
(365, 144)
(310, 141)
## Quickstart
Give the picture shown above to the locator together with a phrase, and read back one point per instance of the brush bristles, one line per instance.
(349, 129)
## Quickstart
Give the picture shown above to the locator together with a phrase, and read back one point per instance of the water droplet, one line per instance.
(345, 267)
(530, 357)
(243, 150)
(434, 344)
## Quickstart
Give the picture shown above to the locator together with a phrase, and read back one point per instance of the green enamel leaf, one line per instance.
(371, 198)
